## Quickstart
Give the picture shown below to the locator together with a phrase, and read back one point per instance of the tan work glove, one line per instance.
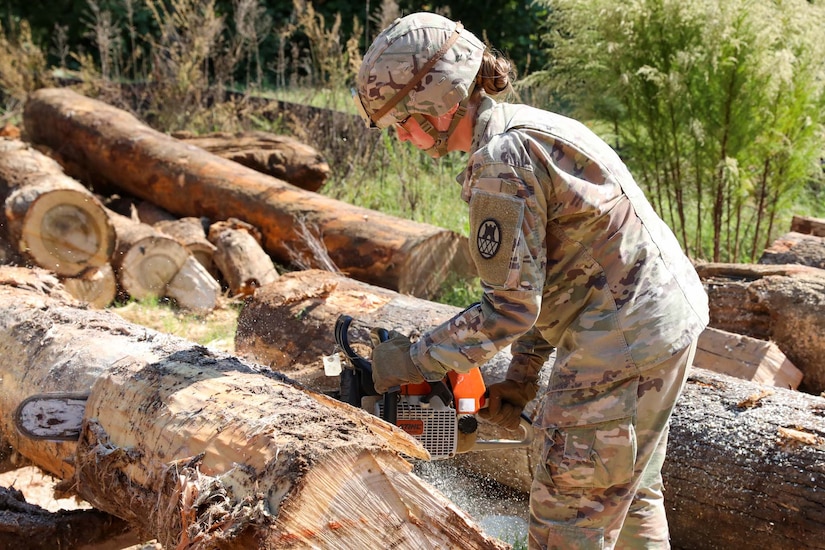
(391, 362)
(506, 401)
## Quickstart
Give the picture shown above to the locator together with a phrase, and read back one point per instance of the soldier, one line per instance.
(571, 256)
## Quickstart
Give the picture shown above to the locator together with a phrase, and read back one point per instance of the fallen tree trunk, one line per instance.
(52, 218)
(282, 157)
(239, 257)
(394, 253)
(745, 467)
(202, 450)
(781, 303)
(289, 324)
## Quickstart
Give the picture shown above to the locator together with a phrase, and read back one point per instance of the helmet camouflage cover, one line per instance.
(397, 56)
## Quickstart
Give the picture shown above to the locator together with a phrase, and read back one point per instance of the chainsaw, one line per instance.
(440, 415)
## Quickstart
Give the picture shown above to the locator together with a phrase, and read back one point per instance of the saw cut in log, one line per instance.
(193, 287)
(394, 253)
(146, 260)
(97, 286)
(52, 218)
(191, 233)
(245, 266)
(808, 225)
(279, 156)
(200, 449)
(746, 358)
(796, 248)
(781, 303)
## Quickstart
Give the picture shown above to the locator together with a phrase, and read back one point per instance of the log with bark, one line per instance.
(97, 286)
(149, 263)
(24, 525)
(245, 266)
(191, 233)
(289, 324)
(282, 157)
(203, 450)
(796, 248)
(52, 218)
(399, 254)
(781, 303)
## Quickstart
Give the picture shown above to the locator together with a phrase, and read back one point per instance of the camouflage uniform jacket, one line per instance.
(571, 255)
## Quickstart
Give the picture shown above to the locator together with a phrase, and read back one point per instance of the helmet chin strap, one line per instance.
(439, 146)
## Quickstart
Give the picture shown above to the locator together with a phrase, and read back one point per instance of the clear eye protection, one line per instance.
(384, 122)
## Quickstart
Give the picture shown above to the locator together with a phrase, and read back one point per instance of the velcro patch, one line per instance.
(495, 223)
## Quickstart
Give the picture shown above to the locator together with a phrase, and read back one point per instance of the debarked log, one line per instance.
(200, 449)
(781, 303)
(51, 217)
(289, 324)
(399, 254)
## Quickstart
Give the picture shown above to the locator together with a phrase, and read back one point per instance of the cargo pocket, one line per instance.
(590, 436)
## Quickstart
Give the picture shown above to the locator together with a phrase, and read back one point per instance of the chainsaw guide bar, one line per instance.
(51, 416)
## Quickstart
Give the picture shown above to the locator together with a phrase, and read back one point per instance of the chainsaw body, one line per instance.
(440, 415)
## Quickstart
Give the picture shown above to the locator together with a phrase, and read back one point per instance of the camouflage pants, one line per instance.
(599, 484)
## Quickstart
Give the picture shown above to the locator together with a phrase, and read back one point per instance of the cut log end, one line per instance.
(150, 265)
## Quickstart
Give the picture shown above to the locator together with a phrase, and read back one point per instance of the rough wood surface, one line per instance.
(290, 324)
(796, 248)
(52, 218)
(24, 525)
(781, 303)
(745, 467)
(245, 266)
(203, 450)
(282, 157)
(746, 358)
(96, 286)
(394, 253)
(808, 225)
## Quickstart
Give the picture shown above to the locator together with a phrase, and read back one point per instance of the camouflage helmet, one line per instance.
(421, 64)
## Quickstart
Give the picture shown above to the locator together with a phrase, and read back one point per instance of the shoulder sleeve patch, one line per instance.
(495, 223)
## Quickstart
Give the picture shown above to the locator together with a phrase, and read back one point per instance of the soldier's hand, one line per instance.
(506, 401)
(392, 364)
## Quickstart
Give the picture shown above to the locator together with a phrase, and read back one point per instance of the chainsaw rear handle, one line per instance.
(364, 367)
(526, 427)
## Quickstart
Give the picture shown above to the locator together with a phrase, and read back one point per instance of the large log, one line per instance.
(279, 156)
(394, 253)
(796, 248)
(52, 218)
(781, 303)
(745, 467)
(202, 450)
(289, 324)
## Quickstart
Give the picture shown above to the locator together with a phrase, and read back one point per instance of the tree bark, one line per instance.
(203, 450)
(282, 157)
(745, 466)
(245, 266)
(796, 248)
(289, 325)
(52, 218)
(781, 303)
(383, 250)
(45, 530)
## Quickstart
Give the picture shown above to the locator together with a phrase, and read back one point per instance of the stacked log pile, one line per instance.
(766, 327)
(113, 145)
